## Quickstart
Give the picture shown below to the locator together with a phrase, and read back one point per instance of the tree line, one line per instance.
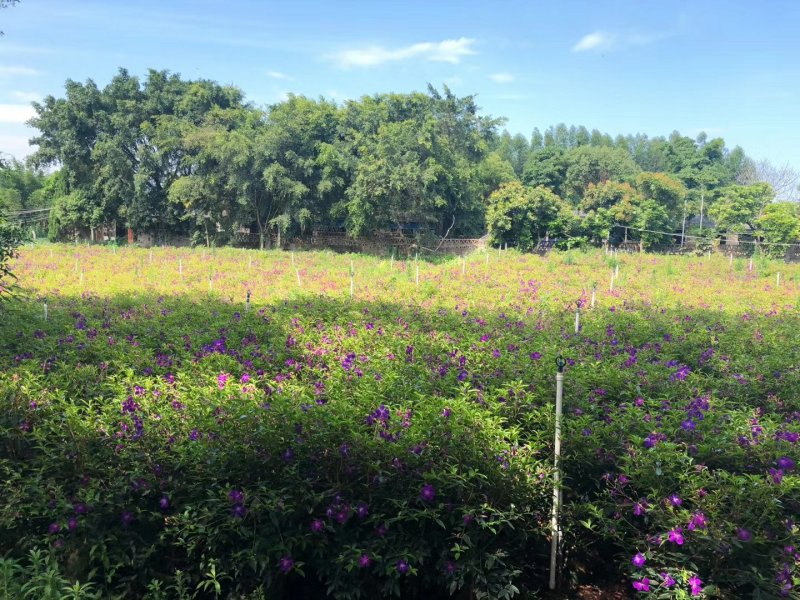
(172, 156)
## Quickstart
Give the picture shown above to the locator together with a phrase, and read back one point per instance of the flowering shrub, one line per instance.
(164, 441)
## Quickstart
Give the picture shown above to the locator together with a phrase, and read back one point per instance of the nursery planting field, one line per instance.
(369, 427)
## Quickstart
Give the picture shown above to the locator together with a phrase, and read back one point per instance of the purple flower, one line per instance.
(698, 521)
(286, 564)
(676, 536)
(402, 567)
(696, 585)
(638, 560)
(317, 525)
(643, 585)
(364, 561)
(54, 528)
(446, 413)
(536, 355)
(126, 517)
(79, 508)
(236, 496)
(776, 475)
(238, 511)
(640, 508)
(743, 534)
(785, 463)
(675, 500)
(428, 493)
(668, 580)
(72, 523)
(163, 502)
(222, 379)
(362, 510)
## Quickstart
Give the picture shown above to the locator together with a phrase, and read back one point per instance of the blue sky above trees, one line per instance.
(730, 69)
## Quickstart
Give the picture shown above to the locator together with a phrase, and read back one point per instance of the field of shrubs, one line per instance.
(188, 423)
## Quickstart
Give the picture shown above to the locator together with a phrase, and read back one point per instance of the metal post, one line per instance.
(594, 292)
(578, 318)
(45, 310)
(554, 515)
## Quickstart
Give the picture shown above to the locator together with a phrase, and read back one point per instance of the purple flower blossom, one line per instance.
(222, 379)
(743, 534)
(317, 525)
(236, 496)
(72, 523)
(667, 580)
(697, 521)
(54, 528)
(428, 493)
(402, 567)
(362, 510)
(785, 463)
(643, 585)
(638, 560)
(675, 500)
(126, 517)
(696, 585)
(676, 536)
(238, 511)
(286, 564)
(364, 561)
(163, 502)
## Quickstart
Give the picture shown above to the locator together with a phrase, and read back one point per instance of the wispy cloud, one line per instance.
(451, 51)
(26, 96)
(600, 41)
(16, 113)
(453, 81)
(501, 77)
(14, 70)
(277, 75)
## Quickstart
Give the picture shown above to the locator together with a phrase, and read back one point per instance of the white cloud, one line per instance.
(598, 40)
(16, 145)
(26, 96)
(12, 70)
(16, 113)
(277, 75)
(501, 77)
(602, 40)
(451, 51)
(453, 81)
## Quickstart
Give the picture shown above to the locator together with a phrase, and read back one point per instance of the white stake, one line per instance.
(81, 277)
(417, 274)
(750, 268)
(778, 279)
(616, 271)
(611, 287)
(730, 260)
(296, 272)
(578, 319)
(560, 363)
(594, 291)
(45, 310)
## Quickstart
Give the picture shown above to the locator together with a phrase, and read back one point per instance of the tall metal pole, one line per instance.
(560, 364)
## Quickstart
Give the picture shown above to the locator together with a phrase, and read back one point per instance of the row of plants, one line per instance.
(175, 442)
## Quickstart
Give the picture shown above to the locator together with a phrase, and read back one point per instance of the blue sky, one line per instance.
(730, 68)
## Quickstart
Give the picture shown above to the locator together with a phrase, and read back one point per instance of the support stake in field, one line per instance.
(778, 279)
(594, 293)
(578, 317)
(45, 309)
(247, 302)
(554, 515)
(352, 279)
